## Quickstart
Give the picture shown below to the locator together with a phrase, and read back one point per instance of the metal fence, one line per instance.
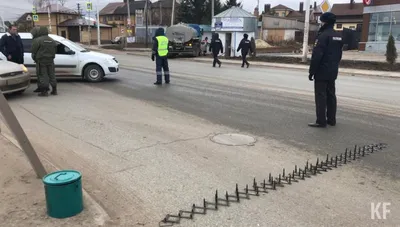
(140, 33)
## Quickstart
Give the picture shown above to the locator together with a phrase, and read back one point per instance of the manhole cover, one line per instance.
(233, 139)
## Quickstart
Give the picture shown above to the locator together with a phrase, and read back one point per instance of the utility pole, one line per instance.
(89, 25)
(98, 24)
(306, 31)
(173, 13)
(49, 15)
(128, 21)
(80, 21)
(147, 25)
(160, 12)
(212, 11)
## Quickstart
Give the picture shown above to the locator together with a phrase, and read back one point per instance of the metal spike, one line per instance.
(192, 213)
(341, 157)
(290, 177)
(256, 188)
(363, 151)
(293, 174)
(205, 205)
(254, 183)
(237, 193)
(279, 181)
(354, 155)
(274, 185)
(302, 177)
(283, 175)
(327, 159)
(264, 184)
(331, 161)
(295, 168)
(355, 148)
(227, 198)
(345, 157)
(372, 150)
(216, 199)
(247, 189)
(300, 172)
(336, 160)
(270, 178)
(305, 170)
(359, 151)
(306, 165)
(317, 162)
(315, 170)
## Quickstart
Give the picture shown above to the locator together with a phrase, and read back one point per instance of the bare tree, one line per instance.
(62, 2)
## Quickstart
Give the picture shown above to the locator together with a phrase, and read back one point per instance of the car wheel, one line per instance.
(19, 92)
(93, 73)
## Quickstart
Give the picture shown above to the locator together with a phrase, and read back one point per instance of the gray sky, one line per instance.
(13, 9)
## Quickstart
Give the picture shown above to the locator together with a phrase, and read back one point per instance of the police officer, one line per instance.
(160, 55)
(44, 51)
(246, 47)
(216, 46)
(326, 57)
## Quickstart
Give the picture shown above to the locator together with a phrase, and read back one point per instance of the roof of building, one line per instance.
(57, 8)
(345, 10)
(111, 7)
(133, 6)
(76, 22)
(164, 4)
(297, 15)
(281, 7)
(235, 12)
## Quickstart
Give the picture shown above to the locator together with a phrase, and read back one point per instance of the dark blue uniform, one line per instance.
(324, 69)
(216, 47)
(246, 47)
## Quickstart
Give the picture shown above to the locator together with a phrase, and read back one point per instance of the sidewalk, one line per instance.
(22, 198)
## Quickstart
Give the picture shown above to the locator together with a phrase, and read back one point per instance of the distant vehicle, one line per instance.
(14, 78)
(183, 39)
(72, 60)
(117, 40)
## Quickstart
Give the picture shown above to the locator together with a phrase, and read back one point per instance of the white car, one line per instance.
(14, 78)
(72, 60)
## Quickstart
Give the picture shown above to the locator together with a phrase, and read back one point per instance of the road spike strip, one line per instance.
(308, 171)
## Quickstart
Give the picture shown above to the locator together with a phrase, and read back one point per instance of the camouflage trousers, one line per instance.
(46, 75)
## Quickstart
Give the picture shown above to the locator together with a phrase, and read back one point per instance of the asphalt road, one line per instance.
(146, 151)
(275, 103)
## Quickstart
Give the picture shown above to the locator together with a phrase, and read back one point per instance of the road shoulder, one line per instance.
(22, 199)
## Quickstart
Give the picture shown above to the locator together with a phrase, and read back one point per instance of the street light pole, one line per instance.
(173, 12)
(98, 25)
(306, 31)
(128, 22)
(212, 11)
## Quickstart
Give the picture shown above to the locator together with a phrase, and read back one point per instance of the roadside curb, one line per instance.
(101, 216)
(352, 72)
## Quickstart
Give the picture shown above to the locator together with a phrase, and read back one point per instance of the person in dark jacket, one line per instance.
(324, 68)
(246, 47)
(11, 46)
(160, 55)
(44, 51)
(215, 47)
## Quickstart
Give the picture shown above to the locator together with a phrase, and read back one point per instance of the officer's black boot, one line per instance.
(54, 90)
(44, 92)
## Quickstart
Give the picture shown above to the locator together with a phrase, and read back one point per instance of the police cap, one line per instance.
(328, 18)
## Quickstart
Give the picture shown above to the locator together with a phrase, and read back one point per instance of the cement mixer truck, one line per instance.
(184, 39)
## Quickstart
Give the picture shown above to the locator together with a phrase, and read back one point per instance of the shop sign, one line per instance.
(368, 2)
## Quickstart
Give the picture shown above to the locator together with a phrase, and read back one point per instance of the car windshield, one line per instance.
(75, 46)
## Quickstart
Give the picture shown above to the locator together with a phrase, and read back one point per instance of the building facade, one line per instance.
(380, 19)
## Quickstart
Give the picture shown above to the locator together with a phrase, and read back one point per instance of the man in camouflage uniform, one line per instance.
(43, 53)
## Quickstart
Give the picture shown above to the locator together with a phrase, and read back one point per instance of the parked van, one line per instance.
(72, 60)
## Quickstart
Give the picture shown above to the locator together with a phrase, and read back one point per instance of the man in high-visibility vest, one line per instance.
(160, 53)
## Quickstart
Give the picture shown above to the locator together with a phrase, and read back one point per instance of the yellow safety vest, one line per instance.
(162, 46)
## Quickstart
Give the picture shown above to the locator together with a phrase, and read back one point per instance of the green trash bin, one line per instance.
(63, 190)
